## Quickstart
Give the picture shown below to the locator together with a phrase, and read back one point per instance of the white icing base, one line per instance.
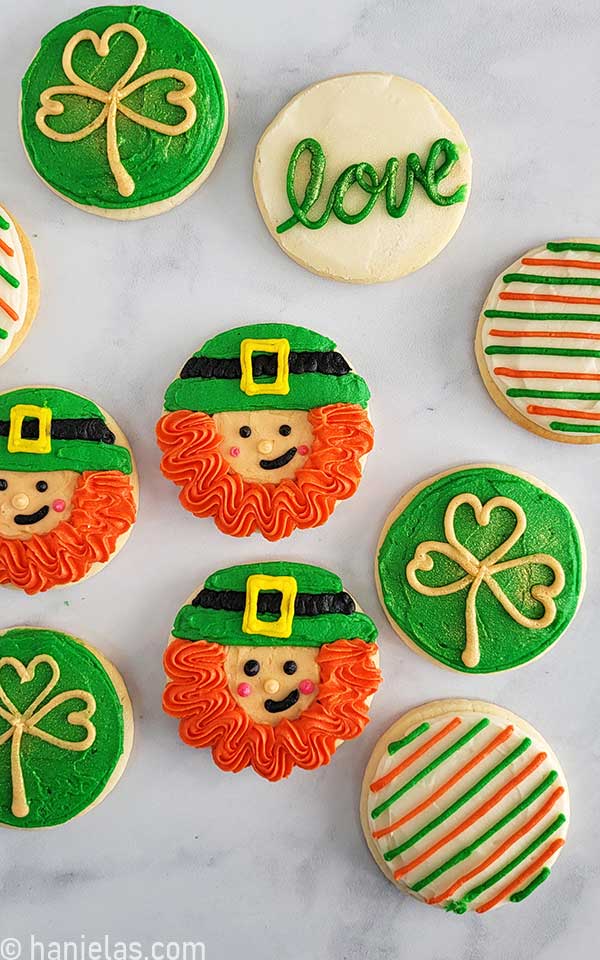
(15, 297)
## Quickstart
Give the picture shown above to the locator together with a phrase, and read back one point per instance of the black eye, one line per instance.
(290, 667)
(251, 668)
(3, 484)
(42, 486)
(285, 429)
(245, 432)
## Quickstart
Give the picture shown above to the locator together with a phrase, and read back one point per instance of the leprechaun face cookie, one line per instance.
(19, 285)
(363, 177)
(265, 430)
(464, 806)
(271, 665)
(66, 727)
(481, 568)
(123, 111)
(68, 488)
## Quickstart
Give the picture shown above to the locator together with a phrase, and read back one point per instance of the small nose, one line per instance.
(20, 501)
(271, 686)
(265, 446)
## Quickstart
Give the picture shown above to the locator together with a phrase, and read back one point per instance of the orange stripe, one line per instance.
(544, 374)
(545, 333)
(8, 250)
(547, 298)
(544, 262)
(559, 412)
(500, 738)
(472, 818)
(383, 781)
(508, 843)
(523, 877)
(8, 310)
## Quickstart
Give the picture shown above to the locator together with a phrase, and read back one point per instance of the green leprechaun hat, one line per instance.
(266, 366)
(270, 604)
(43, 428)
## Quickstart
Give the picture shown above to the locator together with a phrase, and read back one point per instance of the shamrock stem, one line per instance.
(20, 807)
(471, 654)
(125, 183)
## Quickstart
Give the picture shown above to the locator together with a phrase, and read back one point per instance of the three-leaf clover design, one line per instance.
(113, 99)
(26, 722)
(478, 571)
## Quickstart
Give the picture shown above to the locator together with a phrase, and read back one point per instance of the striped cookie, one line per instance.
(538, 341)
(464, 805)
(19, 285)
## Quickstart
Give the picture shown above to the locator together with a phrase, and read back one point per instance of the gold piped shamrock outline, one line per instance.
(483, 571)
(113, 99)
(21, 724)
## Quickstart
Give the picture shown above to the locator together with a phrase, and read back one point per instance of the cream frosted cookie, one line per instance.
(538, 341)
(66, 727)
(68, 488)
(123, 112)
(272, 666)
(481, 568)
(464, 806)
(363, 177)
(19, 285)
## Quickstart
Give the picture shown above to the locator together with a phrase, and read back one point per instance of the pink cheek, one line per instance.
(58, 505)
(302, 449)
(244, 690)
(234, 452)
(306, 686)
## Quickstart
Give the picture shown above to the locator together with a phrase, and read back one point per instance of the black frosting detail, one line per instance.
(265, 365)
(82, 428)
(307, 604)
(278, 462)
(23, 519)
(278, 706)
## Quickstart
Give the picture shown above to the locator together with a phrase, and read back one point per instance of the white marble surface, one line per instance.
(181, 850)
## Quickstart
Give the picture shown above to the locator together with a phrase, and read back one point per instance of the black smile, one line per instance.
(278, 706)
(24, 519)
(279, 461)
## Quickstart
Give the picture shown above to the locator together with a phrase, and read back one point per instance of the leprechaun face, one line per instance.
(273, 683)
(265, 445)
(34, 503)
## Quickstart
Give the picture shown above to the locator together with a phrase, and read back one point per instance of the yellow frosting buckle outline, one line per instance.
(17, 443)
(281, 385)
(257, 583)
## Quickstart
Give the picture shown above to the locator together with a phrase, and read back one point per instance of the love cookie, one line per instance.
(537, 341)
(362, 178)
(68, 488)
(481, 568)
(123, 112)
(464, 806)
(19, 285)
(272, 665)
(265, 429)
(66, 727)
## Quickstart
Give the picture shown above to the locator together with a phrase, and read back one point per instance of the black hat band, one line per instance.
(306, 605)
(82, 428)
(265, 365)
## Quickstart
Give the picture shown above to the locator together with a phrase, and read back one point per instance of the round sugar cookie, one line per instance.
(19, 285)
(68, 488)
(481, 568)
(123, 112)
(265, 429)
(538, 341)
(66, 727)
(272, 666)
(464, 806)
(362, 178)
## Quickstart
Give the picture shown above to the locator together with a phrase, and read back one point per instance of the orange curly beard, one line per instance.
(103, 509)
(210, 717)
(211, 488)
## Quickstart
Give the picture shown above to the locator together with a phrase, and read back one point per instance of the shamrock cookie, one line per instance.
(481, 568)
(19, 285)
(265, 429)
(68, 488)
(66, 727)
(362, 178)
(123, 112)
(272, 665)
(464, 806)
(538, 343)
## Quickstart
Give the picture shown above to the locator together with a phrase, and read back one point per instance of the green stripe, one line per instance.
(574, 427)
(377, 811)
(543, 278)
(482, 887)
(4, 224)
(531, 315)
(553, 394)
(521, 894)
(543, 351)
(557, 247)
(398, 744)
(460, 802)
(3, 334)
(9, 278)
(466, 852)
